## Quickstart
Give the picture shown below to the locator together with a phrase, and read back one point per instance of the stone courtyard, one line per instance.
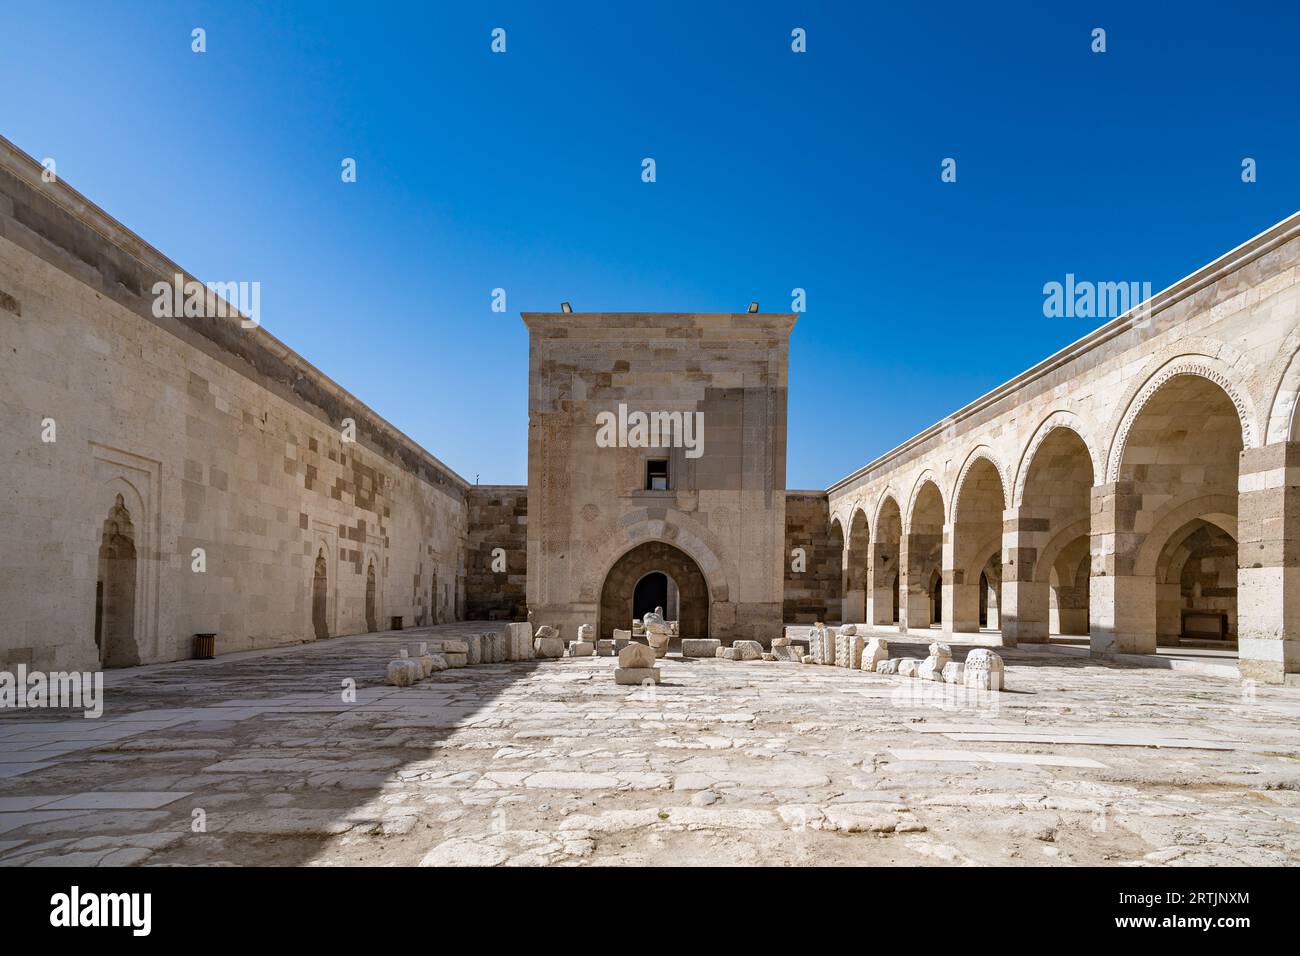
(254, 758)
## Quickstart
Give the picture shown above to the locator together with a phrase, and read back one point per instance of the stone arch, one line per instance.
(1283, 422)
(976, 454)
(887, 497)
(1217, 509)
(675, 528)
(978, 504)
(117, 589)
(923, 541)
(883, 568)
(616, 594)
(1057, 419)
(926, 477)
(136, 501)
(1179, 462)
(1191, 365)
(856, 558)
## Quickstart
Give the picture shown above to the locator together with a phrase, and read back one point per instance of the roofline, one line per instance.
(112, 231)
(1271, 238)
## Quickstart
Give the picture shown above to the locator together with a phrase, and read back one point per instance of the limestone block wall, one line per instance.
(815, 593)
(589, 506)
(1169, 419)
(497, 518)
(171, 435)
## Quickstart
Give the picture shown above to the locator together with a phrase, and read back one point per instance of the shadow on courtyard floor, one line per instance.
(262, 743)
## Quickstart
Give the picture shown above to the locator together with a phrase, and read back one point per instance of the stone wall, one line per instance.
(815, 593)
(498, 518)
(164, 476)
(589, 504)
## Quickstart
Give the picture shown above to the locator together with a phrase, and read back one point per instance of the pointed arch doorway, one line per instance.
(635, 572)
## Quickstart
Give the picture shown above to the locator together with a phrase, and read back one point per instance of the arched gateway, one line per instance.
(618, 593)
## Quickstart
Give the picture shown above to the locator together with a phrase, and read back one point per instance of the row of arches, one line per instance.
(1145, 552)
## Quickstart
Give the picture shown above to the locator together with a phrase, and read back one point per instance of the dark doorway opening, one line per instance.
(115, 590)
(319, 598)
(936, 600)
(371, 624)
(650, 592)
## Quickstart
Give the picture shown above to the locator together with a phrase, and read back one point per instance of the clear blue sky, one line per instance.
(775, 170)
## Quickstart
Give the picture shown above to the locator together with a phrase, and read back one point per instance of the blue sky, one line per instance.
(775, 171)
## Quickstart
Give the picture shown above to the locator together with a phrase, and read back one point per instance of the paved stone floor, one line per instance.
(255, 759)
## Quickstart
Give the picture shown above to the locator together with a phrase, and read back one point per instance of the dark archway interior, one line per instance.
(617, 596)
(650, 592)
(371, 623)
(115, 590)
(319, 596)
(936, 599)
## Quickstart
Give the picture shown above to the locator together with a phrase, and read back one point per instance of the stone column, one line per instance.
(961, 596)
(1024, 612)
(1121, 604)
(1268, 563)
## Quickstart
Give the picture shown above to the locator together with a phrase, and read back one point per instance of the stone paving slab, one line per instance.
(551, 763)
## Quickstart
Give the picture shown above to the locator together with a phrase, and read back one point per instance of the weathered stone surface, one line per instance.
(437, 662)
(587, 633)
(455, 659)
(636, 675)
(581, 649)
(821, 644)
(636, 656)
(908, 667)
(700, 646)
(426, 664)
(747, 650)
(780, 642)
(474, 649)
(769, 657)
(402, 672)
(877, 650)
(984, 670)
(622, 635)
(455, 647)
(520, 641)
(848, 649)
(546, 630)
(605, 648)
(548, 647)
(658, 637)
(954, 672)
(849, 630)
(932, 667)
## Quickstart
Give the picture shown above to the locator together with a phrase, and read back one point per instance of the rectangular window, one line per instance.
(656, 474)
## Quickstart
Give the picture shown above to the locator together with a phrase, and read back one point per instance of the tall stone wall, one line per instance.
(590, 504)
(498, 518)
(813, 594)
(163, 477)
